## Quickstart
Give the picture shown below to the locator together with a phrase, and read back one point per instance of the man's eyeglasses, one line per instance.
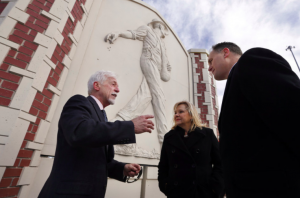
(133, 179)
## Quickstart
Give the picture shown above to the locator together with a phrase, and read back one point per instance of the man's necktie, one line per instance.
(104, 114)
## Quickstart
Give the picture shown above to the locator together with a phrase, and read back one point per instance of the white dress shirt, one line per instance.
(98, 102)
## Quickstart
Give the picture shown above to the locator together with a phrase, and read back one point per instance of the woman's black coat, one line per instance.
(190, 170)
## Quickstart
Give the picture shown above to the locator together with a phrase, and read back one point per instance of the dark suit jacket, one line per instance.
(259, 132)
(185, 170)
(82, 161)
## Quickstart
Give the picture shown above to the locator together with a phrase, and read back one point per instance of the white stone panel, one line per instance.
(3, 139)
(49, 62)
(54, 90)
(22, 4)
(34, 146)
(152, 189)
(52, 108)
(203, 56)
(7, 26)
(88, 5)
(22, 72)
(29, 99)
(58, 8)
(71, 4)
(51, 29)
(58, 37)
(9, 152)
(46, 14)
(83, 8)
(84, 18)
(70, 15)
(27, 116)
(62, 78)
(9, 43)
(42, 40)
(42, 131)
(51, 48)
(27, 175)
(8, 117)
(66, 61)
(3, 52)
(21, 93)
(72, 51)
(41, 76)
(72, 39)
(36, 158)
(207, 96)
(77, 32)
(18, 15)
(209, 117)
(37, 59)
(8, 8)
(24, 191)
(2, 170)
(63, 22)
(132, 190)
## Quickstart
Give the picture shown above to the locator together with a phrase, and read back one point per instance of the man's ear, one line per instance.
(226, 52)
(96, 86)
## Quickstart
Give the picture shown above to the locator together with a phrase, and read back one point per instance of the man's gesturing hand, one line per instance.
(142, 124)
(131, 170)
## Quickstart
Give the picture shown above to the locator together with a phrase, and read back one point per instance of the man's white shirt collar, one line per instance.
(98, 102)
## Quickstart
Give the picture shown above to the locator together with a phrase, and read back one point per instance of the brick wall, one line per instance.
(26, 36)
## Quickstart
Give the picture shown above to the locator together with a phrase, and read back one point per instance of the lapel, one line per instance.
(197, 136)
(225, 96)
(97, 109)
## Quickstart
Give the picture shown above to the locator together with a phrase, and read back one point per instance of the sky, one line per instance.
(272, 24)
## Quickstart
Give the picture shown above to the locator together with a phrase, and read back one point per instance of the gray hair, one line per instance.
(99, 76)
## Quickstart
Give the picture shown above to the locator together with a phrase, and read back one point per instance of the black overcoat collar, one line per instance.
(174, 139)
(97, 109)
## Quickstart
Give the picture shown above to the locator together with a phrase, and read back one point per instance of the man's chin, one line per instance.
(111, 101)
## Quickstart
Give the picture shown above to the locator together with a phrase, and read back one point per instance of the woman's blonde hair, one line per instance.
(196, 121)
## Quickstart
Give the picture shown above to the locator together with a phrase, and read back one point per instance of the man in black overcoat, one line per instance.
(84, 155)
(258, 124)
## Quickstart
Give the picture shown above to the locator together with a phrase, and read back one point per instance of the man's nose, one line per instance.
(210, 68)
(117, 89)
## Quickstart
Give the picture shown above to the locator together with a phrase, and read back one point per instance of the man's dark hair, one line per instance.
(231, 46)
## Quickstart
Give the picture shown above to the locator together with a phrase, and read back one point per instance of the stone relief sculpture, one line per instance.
(156, 68)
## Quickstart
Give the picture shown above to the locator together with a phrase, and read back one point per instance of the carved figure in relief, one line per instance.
(155, 67)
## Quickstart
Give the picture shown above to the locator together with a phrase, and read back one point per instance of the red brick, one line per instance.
(33, 111)
(15, 39)
(34, 8)
(17, 162)
(4, 67)
(25, 153)
(35, 128)
(44, 19)
(23, 57)
(30, 127)
(37, 122)
(25, 50)
(49, 4)
(15, 182)
(32, 13)
(54, 60)
(23, 144)
(47, 101)
(39, 97)
(40, 106)
(38, 4)
(29, 136)
(51, 72)
(23, 35)
(41, 24)
(9, 192)
(12, 53)
(35, 27)
(6, 93)
(52, 81)
(12, 172)
(33, 33)
(42, 1)
(57, 70)
(47, 93)
(4, 101)
(57, 56)
(25, 162)
(42, 115)
(21, 27)
(55, 76)
(5, 182)
(57, 49)
(9, 85)
(51, 1)
(15, 62)
(30, 45)
(32, 19)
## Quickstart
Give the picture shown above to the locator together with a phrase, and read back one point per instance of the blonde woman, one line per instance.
(190, 164)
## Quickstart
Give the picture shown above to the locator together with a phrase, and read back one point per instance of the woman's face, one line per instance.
(182, 116)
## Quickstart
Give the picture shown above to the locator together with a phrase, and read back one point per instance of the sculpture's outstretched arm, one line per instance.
(111, 37)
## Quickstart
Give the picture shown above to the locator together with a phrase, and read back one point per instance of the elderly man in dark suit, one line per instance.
(258, 124)
(84, 155)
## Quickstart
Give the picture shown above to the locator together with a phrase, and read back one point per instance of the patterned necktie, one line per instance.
(104, 114)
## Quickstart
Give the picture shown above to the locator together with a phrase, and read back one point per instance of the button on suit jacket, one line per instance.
(259, 128)
(82, 160)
